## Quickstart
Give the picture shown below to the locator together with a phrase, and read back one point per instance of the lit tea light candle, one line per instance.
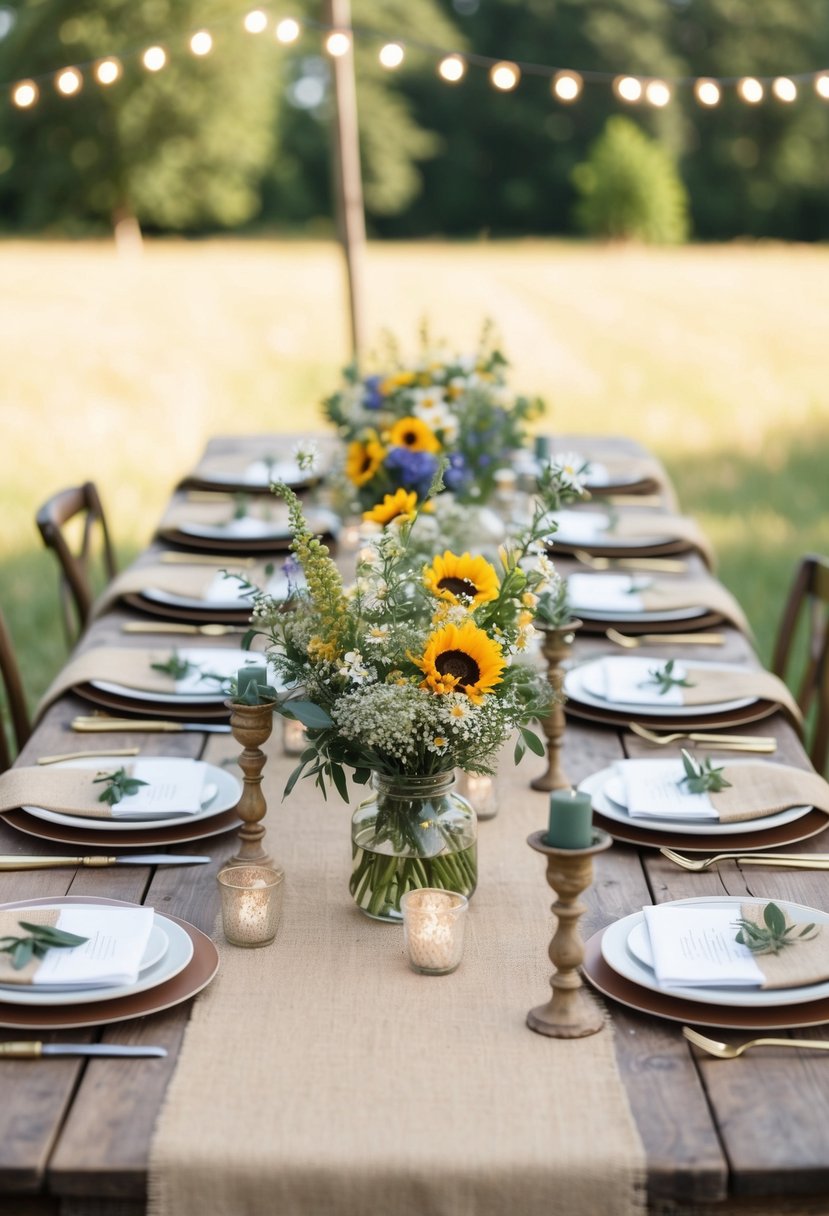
(433, 926)
(479, 791)
(251, 904)
(294, 738)
(571, 820)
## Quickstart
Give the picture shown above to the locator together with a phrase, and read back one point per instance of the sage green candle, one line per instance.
(253, 673)
(571, 820)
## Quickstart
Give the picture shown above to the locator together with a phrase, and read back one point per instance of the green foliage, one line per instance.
(630, 188)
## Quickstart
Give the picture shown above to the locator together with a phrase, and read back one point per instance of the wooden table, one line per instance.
(748, 1136)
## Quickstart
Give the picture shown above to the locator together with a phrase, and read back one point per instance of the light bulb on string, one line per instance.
(69, 82)
(154, 58)
(505, 75)
(750, 90)
(822, 85)
(107, 71)
(628, 88)
(707, 92)
(338, 44)
(566, 86)
(201, 43)
(25, 94)
(452, 68)
(784, 89)
(391, 55)
(256, 21)
(287, 30)
(657, 93)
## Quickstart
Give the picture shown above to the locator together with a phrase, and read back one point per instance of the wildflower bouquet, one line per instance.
(399, 423)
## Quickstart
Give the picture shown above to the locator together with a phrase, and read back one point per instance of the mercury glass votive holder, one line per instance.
(251, 904)
(433, 927)
(480, 790)
(294, 738)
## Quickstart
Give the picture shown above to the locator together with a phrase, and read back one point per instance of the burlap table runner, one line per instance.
(805, 962)
(67, 791)
(10, 927)
(694, 593)
(708, 687)
(758, 790)
(340, 1083)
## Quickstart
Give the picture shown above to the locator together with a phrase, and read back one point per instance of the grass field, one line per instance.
(119, 370)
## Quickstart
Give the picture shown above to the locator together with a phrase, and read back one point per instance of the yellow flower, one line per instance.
(400, 506)
(397, 380)
(414, 434)
(524, 619)
(464, 580)
(363, 460)
(529, 600)
(461, 659)
(321, 651)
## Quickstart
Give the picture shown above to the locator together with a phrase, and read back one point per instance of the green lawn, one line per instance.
(120, 370)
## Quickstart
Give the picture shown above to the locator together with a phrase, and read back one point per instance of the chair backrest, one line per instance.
(803, 637)
(14, 697)
(81, 504)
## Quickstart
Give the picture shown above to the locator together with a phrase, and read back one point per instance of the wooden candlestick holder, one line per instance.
(569, 1014)
(555, 646)
(251, 726)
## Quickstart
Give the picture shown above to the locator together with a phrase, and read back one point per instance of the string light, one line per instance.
(391, 55)
(822, 85)
(707, 92)
(452, 69)
(657, 93)
(256, 21)
(154, 58)
(25, 94)
(784, 89)
(338, 44)
(750, 90)
(201, 43)
(505, 75)
(287, 30)
(68, 82)
(566, 86)
(107, 71)
(628, 88)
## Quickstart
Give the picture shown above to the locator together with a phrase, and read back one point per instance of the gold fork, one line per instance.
(734, 743)
(723, 1051)
(793, 861)
(208, 631)
(702, 638)
(667, 565)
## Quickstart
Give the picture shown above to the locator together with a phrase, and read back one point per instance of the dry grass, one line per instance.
(120, 370)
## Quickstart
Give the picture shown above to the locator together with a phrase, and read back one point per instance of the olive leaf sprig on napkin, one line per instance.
(774, 934)
(702, 780)
(176, 667)
(38, 939)
(665, 679)
(118, 785)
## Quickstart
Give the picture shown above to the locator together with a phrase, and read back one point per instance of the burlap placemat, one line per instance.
(67, 791)
(694, 593)
(340, 1083)
(758, 790)
(190, 581)
(125, 665)
(804, 962)
(630, 526)
(708, 687)
(10, 926)
(218, 511)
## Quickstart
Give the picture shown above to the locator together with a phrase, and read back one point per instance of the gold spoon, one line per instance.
(702, 638)
(723, 1051)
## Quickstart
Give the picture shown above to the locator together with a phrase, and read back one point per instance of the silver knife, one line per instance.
(99, 722)
(35, 1049)
(10, 861)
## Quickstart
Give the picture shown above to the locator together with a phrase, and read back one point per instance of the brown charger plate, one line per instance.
(665, 549)
(196, 975)
(808, 825)
(189, 711)
(609, 717)
(229, 544)
(155, 836)
(609, 983)
(645, 485)
(643, 625)
(190, 614)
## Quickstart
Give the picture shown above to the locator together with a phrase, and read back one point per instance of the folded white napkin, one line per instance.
(606, 592)
(652, 789)
(627, 679)
(174, 787)
(580, 526)
(117, 940)
(260, 473)
(697, 947)
(228, 589)
(217, 661)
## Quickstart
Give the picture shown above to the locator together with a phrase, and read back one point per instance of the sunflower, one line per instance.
(461, 659)
(464, 580)
(414, 434)
(364, 459)
(400, 505)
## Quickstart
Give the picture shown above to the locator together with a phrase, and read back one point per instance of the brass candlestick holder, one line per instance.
(555, 646)
(251, 726)
(569, 1014)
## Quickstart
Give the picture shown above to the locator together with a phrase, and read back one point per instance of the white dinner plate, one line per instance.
(173, 960)
(157, 946)
(228, 793)
(583, 683)
(277, 588)
(592, 528)
(229, 662)
(599, 786)
(622, 957)
(256, 475)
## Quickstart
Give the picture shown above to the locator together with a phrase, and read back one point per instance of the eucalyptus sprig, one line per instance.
(38, 940)
(665, 679)
(176, 667)
(774, 934)
(118, 785)
(702, 780)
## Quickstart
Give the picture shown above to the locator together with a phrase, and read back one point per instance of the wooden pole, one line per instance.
(348, 185)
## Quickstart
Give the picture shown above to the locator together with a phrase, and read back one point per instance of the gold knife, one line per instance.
(234, 560)
(111, 751)
(209, 630)
(104, 723)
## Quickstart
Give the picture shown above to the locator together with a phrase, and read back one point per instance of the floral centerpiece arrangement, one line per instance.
(400, 423)
(403, 677)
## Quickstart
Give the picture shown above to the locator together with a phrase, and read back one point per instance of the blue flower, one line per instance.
(372, 397)
(456, 476)
(411, 470)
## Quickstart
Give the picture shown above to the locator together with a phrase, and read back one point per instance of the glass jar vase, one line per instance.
(411, 832)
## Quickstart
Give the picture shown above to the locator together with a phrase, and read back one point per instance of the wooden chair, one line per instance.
(14, 698)
(805, 622)
(54, 519)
